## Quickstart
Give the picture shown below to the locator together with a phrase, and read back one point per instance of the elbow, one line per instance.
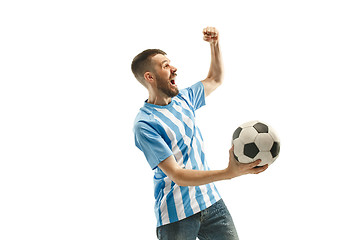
(221, 77)
(218, 79)
(184, 184)
(179, 179)
(181, 184)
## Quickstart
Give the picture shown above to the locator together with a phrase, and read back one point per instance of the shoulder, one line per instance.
(145, 120)
(197, 88)
(194, 95)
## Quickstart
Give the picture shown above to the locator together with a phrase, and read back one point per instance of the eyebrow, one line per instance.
(165, 61)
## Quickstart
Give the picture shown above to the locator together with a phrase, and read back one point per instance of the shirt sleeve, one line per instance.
(196, 95)
(149, 141)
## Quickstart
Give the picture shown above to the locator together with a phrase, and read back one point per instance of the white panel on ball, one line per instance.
(248, 135)
(264, 141)
(238, 151)
(245, 159)
(249, 124)
(273, 134)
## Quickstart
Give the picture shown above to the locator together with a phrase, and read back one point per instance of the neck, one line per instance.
(159, 100)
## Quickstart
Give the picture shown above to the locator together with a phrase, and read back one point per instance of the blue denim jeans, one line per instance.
(213, 223)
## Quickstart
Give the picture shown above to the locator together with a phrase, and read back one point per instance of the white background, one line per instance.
(68, 165)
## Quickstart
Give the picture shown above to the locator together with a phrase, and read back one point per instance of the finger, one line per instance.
(254, 164)
(207, 34)
(216, 32)
(210, 31)
(213, 31)
(231, 152)
(258, 170)
(232, 148)
(207, 39)
(204, 31)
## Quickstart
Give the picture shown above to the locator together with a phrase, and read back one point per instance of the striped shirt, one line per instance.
(162, 131)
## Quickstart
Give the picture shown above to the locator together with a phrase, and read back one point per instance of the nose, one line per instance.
(173, 69)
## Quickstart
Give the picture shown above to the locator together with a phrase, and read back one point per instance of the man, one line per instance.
(188, 204)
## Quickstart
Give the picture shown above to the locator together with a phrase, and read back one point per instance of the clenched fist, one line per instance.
(211, 35)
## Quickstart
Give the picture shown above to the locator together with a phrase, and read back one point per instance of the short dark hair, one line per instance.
(142, 63)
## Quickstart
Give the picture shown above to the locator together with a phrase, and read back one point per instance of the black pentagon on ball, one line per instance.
(275, 149)
(237, 133)
(251, 150)
(261, 128)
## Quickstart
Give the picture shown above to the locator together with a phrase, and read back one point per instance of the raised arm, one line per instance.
(215, 75)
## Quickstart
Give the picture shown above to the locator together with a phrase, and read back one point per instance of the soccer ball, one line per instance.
(255, 140)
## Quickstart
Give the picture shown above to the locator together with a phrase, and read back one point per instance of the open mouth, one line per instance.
(172, 80)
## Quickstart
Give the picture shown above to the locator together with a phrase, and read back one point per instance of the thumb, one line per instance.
(231, 149)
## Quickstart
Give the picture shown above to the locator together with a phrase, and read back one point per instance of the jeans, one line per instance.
(213, 223)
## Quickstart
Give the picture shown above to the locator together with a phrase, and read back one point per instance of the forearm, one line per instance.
(216, 65)
(189, 177)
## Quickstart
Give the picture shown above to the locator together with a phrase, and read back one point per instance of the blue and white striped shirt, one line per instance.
(162, 131)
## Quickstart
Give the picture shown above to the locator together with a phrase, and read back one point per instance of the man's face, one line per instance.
(165, 75)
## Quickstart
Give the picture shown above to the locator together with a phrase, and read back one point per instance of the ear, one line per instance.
(149, 77)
